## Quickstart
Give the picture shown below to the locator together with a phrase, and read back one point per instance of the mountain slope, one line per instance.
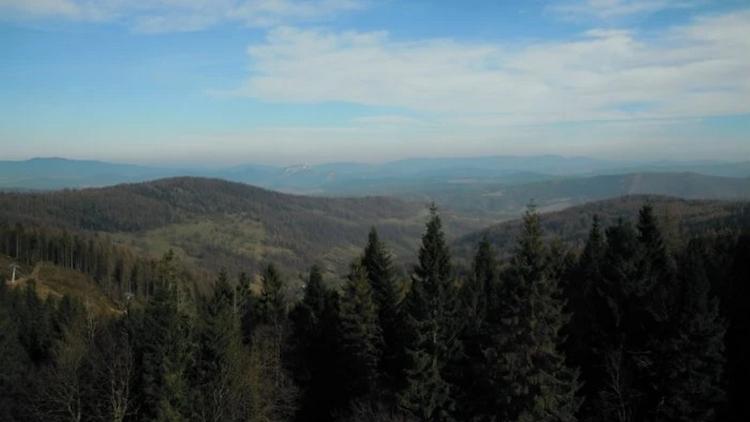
(53, 281)
(677, 216)
(214, 223)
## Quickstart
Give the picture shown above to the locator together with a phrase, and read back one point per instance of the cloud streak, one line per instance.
(614, 9)
(686, 71)
(154, 16)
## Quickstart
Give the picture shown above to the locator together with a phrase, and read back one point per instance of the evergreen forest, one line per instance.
(633, 326)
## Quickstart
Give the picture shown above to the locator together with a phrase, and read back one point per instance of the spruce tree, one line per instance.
(164, 358)
(316, 367)
(361, 336)
(648, 326)
(638, 324)
(481, 284)
(376, 261)
(585, 332)
(691, 387)
(273, 304)
(434, 329)
(478, 300)
(217, 346)
(530, 374)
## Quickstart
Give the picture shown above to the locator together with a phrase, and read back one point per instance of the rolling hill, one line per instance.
(216, 224)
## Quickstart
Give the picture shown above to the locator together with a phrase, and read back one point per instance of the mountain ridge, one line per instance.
(334, 178)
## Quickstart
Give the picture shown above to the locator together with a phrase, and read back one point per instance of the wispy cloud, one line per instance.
(182, 15)
(612, 9)
(685, 71)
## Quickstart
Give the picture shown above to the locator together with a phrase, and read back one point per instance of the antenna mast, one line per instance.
(13, 268)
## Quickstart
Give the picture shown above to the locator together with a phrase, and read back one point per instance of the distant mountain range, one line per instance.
(351, 178)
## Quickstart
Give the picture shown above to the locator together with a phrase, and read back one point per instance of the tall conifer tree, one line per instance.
(530, 374)
(361, 336)
(376, 261)
(478, 295)
(218, 347)
(693, 355)
(434, 325)
(165, 351)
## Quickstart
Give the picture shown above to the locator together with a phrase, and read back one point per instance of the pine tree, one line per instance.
(434, 325)
(530, 374)
(361, 337)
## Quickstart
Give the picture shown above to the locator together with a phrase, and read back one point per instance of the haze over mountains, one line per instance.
(484, 188)
(350, 178)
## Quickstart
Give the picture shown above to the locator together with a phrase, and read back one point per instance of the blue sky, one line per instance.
(282, 81)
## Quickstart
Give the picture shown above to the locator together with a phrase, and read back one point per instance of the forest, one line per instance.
(633, 326)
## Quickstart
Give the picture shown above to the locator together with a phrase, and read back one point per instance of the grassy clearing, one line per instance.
(56, 282)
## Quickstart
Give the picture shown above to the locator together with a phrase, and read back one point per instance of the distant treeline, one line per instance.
(116, 269)
(633, 327)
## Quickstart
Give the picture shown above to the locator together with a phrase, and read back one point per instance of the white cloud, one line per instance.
(182, 15)
(691, 70)
(613, 9)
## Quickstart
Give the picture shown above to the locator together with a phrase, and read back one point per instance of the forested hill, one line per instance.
(215, 223)
(679, 218)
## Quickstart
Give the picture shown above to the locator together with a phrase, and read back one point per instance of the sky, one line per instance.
(222, 82)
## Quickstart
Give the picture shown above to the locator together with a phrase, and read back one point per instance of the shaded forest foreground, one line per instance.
(630, 328)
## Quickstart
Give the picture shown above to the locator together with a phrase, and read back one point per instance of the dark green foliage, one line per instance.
(14, 359)
(738, 335)
(572, 225)
(478, 294)
(165, 350)
(528, 367)
(694, 353)
(648, 337)
(479, 287)
(218, 340)
(381, 274)
(273, 302)
(658, 326)
(316, 346)
(434, 328)
(361, 336)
